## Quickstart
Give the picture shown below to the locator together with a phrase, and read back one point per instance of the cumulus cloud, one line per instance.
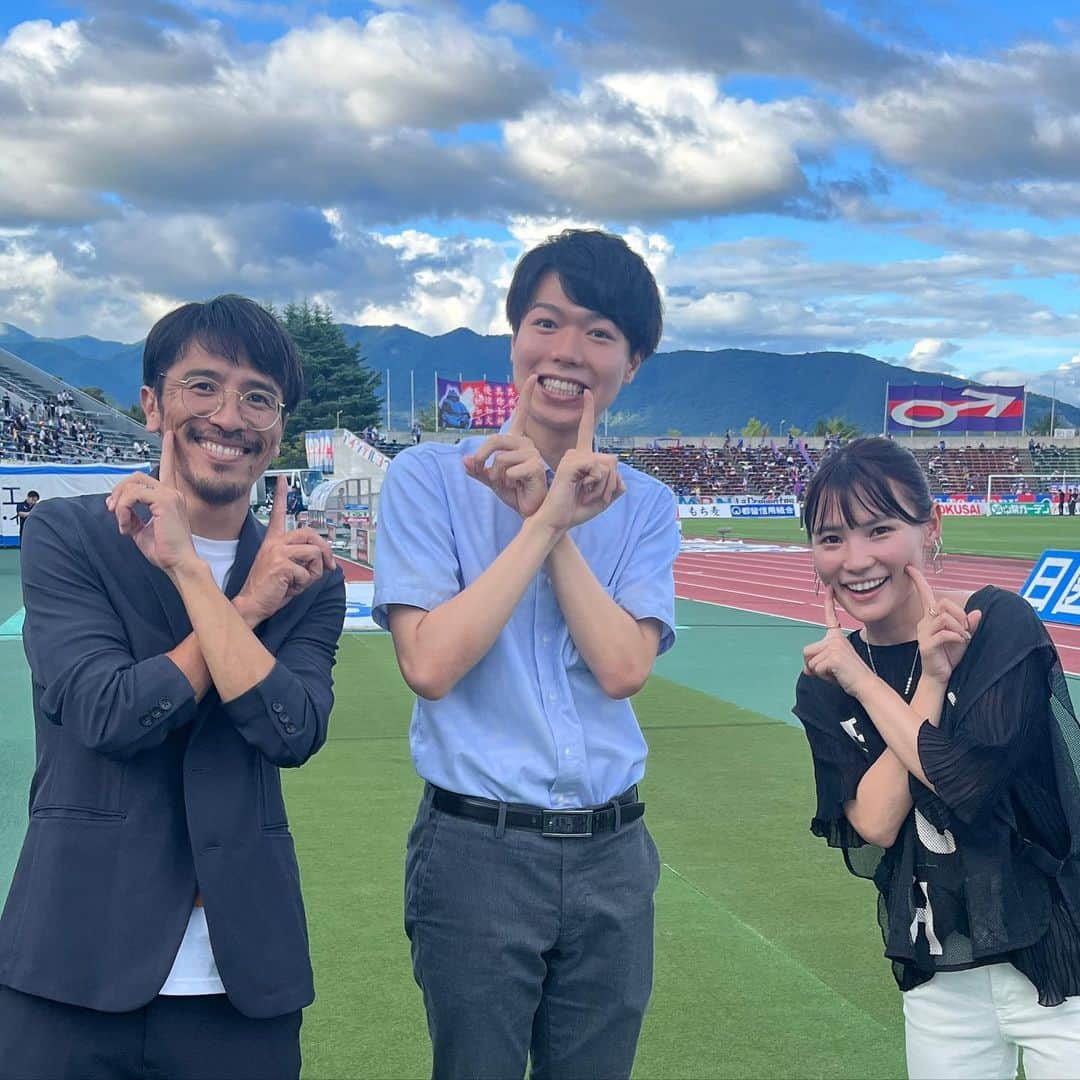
(656, 144)
(928, 354)
(798, 38)
(514, 19)
(93, 116)
(1002, 128)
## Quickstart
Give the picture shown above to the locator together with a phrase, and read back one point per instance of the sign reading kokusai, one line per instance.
(944, 409)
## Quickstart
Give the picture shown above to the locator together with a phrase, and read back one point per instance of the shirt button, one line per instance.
(547, 639)
(553, 697)
(567, 752)
(146, 721)
(155, 713)
(165, 704)
(290, 729)
(276, 706)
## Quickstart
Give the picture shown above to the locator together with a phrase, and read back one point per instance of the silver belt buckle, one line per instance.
(567, 824)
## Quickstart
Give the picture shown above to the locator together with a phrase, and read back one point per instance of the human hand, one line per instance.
(944, 631)
(517, 473)
(165, 539)
(586, 482)
(286, 564)
(833, 658)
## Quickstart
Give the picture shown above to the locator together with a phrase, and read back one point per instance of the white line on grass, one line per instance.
(770, 944)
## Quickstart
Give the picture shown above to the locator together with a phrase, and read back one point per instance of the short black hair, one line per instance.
(230, 326)
(871, 472)
(598, 271)
(34, 493)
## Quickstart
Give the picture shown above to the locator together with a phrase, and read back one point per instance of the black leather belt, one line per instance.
(560, 824)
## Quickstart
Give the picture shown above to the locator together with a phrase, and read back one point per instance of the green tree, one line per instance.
(96, 393)
(754, 427)
(425, 417)
(835, 425)
(340, 390)
(1040, 426)
(136, 413)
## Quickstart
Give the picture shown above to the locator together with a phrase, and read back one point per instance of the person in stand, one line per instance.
(24, 508)
(527, 582)
(947, 765)
(180, 654)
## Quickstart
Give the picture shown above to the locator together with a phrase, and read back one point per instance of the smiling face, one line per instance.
(570, 348)
(219, 457)
(864, 561)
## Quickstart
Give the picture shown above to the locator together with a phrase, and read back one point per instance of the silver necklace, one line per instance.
(911, 673)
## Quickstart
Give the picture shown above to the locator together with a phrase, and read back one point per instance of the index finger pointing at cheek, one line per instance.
(922, 586)
(167, 464)
(521, 409)
(832, 622)
(587, 426)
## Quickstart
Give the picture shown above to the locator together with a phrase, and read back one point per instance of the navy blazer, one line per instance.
(141, 797)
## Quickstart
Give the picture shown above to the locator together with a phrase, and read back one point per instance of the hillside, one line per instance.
(692, 392)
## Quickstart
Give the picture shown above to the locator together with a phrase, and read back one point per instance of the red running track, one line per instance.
(780, 583)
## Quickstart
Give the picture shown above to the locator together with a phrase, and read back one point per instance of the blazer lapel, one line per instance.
(251, 536)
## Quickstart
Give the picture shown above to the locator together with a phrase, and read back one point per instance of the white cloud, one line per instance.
(514, 19)
(928, 354)
(662, 144)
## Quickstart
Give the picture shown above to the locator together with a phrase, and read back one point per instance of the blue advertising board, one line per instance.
(745, 510)
(1053, 587)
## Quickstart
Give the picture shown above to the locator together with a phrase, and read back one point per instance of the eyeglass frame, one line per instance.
(241, 395)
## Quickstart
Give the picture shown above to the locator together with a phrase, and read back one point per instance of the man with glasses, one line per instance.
(180, 655)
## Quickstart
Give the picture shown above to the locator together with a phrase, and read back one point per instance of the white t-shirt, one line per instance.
(194, 970)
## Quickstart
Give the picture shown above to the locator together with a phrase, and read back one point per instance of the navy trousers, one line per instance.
(172, 1038)
(530, 948)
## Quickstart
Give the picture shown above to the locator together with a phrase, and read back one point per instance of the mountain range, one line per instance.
(688, 392)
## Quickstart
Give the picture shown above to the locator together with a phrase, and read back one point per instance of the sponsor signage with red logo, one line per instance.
(963, 509)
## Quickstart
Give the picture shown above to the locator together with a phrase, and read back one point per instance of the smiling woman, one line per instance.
(940, 734)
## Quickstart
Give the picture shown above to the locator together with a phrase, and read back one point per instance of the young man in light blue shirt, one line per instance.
(527, 582)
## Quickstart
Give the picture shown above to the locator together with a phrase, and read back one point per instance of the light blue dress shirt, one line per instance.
(529, 723)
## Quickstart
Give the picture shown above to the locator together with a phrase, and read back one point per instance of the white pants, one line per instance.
(971, 1025)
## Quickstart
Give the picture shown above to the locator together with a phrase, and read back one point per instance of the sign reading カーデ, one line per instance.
(1016, 509)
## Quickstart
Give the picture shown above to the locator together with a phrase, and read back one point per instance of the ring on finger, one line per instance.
(932, 612)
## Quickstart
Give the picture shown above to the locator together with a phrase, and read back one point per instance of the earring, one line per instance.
(936, 554)
(817, 582)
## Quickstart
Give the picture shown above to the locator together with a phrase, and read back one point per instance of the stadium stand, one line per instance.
(42, 418)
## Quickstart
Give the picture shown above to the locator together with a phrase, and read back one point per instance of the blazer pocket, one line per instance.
(271, 803)
(77, 813)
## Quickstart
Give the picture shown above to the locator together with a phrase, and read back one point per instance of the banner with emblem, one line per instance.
(941, 410)
(474, 403)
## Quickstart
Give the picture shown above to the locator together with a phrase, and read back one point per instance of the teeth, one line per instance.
(866, 586)
(225, 451)
(562, 386)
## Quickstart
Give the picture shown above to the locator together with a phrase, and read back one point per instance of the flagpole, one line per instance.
(387, 402)
(436, 399)
(412, 401)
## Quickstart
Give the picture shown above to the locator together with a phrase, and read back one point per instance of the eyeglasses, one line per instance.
(203, 397)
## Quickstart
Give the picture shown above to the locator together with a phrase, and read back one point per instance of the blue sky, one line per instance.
(900, 182)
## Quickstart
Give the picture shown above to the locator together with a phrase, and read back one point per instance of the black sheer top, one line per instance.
(986, 868)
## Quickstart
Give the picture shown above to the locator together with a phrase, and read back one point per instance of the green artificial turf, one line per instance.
(768, 956)
(1019, 538)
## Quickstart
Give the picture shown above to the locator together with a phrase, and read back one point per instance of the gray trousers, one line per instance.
(530, 947)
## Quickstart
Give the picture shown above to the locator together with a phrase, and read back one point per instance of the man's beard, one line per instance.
(217, 494)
